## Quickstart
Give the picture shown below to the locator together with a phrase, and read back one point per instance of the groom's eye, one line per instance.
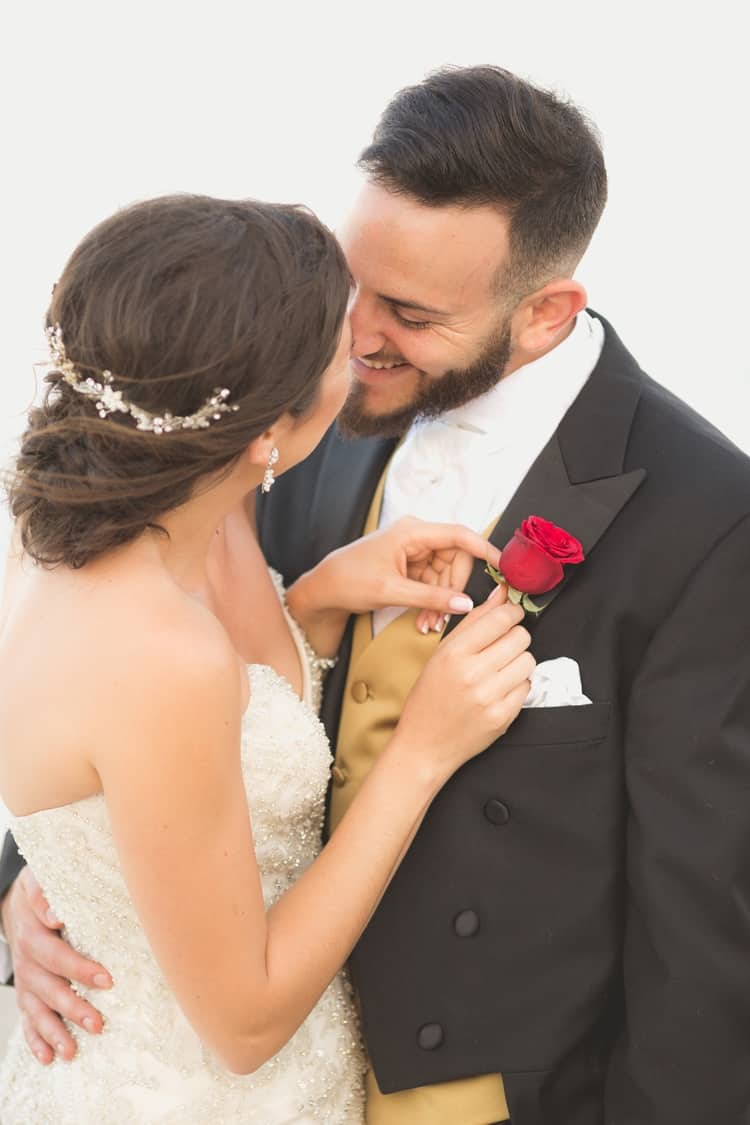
(411, 323)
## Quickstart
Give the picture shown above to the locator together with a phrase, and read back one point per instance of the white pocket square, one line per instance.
(556, 683)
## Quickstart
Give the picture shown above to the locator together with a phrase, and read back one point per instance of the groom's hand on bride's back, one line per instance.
(43, 967)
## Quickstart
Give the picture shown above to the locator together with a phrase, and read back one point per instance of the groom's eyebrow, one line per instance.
(413, 305)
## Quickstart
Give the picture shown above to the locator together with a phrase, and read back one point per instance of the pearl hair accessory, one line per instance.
(268, 478)
(110, 401)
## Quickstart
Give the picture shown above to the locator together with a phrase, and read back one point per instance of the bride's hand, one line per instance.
(411, 564)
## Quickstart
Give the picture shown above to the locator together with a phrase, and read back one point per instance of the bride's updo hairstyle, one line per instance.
(176, 297)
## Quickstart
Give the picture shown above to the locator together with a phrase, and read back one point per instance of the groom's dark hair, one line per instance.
(481, 135)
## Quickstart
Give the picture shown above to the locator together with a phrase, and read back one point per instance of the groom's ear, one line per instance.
(541, 318)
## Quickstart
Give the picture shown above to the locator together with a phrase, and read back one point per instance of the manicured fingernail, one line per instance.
(460, 604)
(89, 1024)
(424, 628)
(59, 1048)
(101, 980)
(40, 1055)
(52, 919)
(494, 594)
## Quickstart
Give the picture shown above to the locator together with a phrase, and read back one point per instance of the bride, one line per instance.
(159, 746)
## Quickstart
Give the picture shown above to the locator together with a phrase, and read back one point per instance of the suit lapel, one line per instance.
(585, 510)
(579, 480)
(348, 476)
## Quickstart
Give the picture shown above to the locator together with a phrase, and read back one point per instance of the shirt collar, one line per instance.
(534, 395)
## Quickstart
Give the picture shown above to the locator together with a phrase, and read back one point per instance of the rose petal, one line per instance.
(555, 541)
(528, 567)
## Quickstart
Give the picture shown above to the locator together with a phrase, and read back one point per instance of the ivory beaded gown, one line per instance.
(149, 1065)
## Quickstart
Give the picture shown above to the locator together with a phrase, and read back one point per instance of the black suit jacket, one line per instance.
(603, 850)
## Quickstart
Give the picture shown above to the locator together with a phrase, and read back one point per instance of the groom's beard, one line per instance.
(433, 397)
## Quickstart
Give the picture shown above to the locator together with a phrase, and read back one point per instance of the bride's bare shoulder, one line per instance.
(150, 619)
(129, 630)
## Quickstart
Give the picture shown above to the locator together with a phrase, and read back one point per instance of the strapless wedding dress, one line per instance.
(149, 1065)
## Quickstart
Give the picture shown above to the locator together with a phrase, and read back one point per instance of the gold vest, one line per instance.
(382, 671)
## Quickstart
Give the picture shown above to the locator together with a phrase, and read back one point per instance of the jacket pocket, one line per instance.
(557, 726)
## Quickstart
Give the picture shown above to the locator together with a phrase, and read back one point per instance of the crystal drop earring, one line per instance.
(268, 477)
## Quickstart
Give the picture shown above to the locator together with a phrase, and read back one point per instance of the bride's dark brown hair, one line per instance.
(175, 296)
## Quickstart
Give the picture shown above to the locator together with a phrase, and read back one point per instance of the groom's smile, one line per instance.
(431, 326)
(372, 370)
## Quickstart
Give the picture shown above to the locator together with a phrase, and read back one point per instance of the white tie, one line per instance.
(429, 476)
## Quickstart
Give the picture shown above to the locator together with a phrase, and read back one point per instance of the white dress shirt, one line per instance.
(465, 466)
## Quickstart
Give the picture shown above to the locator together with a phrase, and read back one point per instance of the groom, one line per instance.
(567, 941)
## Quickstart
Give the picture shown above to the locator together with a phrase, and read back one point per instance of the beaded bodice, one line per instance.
(149, 1065)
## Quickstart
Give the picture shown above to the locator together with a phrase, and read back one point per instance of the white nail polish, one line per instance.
(424, 628)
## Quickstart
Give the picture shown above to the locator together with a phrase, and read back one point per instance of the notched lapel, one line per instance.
(585, 510)
(577, 480)
(348, 476)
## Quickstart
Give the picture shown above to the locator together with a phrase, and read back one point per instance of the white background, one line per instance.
(104, 104)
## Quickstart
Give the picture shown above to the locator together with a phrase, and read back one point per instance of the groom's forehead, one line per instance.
(390, 237)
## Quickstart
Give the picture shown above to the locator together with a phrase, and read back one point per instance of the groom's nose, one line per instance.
(368, 335)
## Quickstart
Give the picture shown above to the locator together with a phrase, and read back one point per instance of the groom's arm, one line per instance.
(11, 863)
(685, 1049)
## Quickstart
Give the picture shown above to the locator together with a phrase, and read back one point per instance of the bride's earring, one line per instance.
(268, 477)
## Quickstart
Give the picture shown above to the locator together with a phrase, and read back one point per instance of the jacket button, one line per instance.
(360, 691)
(466, 924)
(340, 777)
(430, 1036)
(496, 812)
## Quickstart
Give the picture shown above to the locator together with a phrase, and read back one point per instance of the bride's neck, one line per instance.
(196, 529)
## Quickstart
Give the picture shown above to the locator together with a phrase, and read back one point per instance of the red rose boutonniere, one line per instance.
(532, 561)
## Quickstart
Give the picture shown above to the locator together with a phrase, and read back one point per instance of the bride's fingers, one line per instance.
(487, 623)
(440, 536)
(431, 619)
(422, 595)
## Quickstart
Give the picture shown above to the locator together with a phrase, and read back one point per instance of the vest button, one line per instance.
(466, 924)
(496, 812)
(430, 1036)
(340, 777)
(360, 691)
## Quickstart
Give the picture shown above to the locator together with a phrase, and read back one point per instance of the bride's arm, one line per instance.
(412, 563)
(171, 776)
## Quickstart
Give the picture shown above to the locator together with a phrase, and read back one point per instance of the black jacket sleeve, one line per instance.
(684, 1054)
(11, 863)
